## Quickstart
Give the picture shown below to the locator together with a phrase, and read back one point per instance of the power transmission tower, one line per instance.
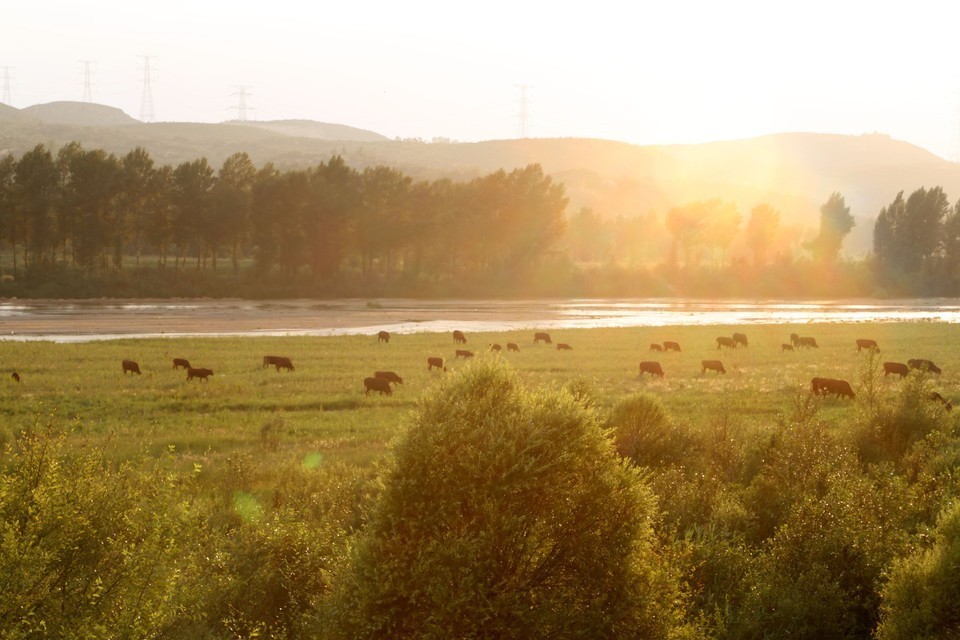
(146, 99)
(241, 107)
(6, 86)
(524, 114)
(87, 91)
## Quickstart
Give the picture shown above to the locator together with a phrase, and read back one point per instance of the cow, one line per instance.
(866, 343)
(131, 366)
(542, 335)
(740, 338)
(786, 347)
(895, 367)
(653, 368)
(377, 384)
(723, 341)
(181, 363)
(826, 386)
(495, 347)
(925, 365)
(939, 398)
(711, 365)
(15, 376)
(458, 337)
(671, 346)
(463, 353)
(383, 336)
(563, 346)
(203, 374)
(435, 361)
(280, 362)
(795, 339)
(512, 346)
(655, 346)
(808, 342)
(389, 376)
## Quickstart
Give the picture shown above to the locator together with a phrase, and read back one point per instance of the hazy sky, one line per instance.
(641, 72)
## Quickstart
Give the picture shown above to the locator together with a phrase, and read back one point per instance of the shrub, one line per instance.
(644, 433)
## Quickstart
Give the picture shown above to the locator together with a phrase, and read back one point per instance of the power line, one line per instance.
(146, 99)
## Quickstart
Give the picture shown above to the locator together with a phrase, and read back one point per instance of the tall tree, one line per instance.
(835, 223)
(232, 197)
(760, 232)
(8, 165)
(137, 181)
(36, 183)
(721, 226)
(686, 224)
(907, 236)
(192, 182)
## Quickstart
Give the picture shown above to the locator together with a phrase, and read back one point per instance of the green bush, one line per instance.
(644, 433)
(506, 514)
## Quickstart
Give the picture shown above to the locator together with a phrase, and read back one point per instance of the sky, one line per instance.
(674, 71)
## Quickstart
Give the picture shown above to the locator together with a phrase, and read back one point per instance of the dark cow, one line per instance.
(653, 368)
(495, 347)
(827, 386)
(389, 376)
(15, 376)
(377, 384)
(181, 363)
(542, 335)
(923, 365)
(936, 397)
(463, 353)
(437, 362)
(795, 339)
(203, 374)
(563, 346)
(711, 365)
(810, 343)
(866, 343)
(671, 346)
(723, 341)
(280, 362)
(512, 346)
(458, 337)
(740, 338)
(383, 336)
(895, 367)
(786, 347)
(655, 346)
(131, 366)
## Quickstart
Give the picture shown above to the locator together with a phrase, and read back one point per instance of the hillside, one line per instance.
(794, 172)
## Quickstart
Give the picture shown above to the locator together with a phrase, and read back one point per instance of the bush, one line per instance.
(644, 433)
(506, 514)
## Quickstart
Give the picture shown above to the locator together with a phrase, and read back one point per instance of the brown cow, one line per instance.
(512, 346)
(926, 365)
(131, 366)
(939, 398)
(826, 386)
(458, 337)
(435, 361)
(810, 343)
(542, 335)
(795, 339)
(786, 347)
(495, 347)
(723, 341)
(655, 346)
(383, 336)
(563, 346)
(203, 374)
(711, 365)
(463, 353)
(280, 362)
(389, 376)
(15, 376)
(740, 338)
(181, 363)
(895, 367)
(866, 343)
(377, 384)
(671, 346)
(653, 368)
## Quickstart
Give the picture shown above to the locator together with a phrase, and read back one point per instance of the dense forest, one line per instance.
(81, 222)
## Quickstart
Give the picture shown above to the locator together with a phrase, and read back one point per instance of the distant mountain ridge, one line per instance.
(794, 172)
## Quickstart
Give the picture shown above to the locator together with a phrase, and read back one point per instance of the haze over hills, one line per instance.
(794, 172)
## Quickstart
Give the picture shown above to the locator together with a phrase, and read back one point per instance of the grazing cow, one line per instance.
(15, 376)
(383, 336)
(795, 339)
(826, 386)
(655, 346)
(740, 338)
(131, 366)
(181, 363)
(437, 362)
(389, 376)
(203, 374)
(542, 335)
(865, 343)
(563, 346)
(377, 384)
(458, 337)
(939, 398)
(495, 347)
(723, 341)
(711, 365)
(895, 367)
(653, 368)
(463, 353)
(671, 346)
(925, 365)
(280, 362)
(786, 347)
(810, 343)
(512, 346)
